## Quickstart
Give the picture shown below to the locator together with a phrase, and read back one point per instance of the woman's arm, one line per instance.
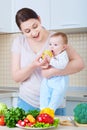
(75, 65)
(20, 74)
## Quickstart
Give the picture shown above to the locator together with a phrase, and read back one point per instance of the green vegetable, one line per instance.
(34, 113)
(80, 113)
(47, 125)
(3, 108)
(13, 115)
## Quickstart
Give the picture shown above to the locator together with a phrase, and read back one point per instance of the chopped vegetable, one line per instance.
(80, 113)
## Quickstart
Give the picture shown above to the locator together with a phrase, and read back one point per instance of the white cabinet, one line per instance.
(41, 8)
(5, 15)
(68, 14)
(8, 9)
(55, 14)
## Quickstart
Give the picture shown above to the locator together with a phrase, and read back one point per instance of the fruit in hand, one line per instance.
(47, 53)
(45, 118)
(80, 113)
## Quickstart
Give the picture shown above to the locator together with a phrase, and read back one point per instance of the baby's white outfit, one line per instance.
(53, 89)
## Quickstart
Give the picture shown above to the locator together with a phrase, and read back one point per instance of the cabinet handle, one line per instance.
(66, 25)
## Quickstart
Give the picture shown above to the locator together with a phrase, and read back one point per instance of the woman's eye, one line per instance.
(35, 26)
(27, 30)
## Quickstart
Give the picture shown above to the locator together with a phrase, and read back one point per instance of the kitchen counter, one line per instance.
(77, 94)
(73, 93)
(59, 128)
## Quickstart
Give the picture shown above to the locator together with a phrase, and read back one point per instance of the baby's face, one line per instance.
(56, 45)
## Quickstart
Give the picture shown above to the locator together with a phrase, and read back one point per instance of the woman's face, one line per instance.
(32, 29)
(56, 45)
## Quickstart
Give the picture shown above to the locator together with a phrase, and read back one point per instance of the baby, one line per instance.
(53, 89)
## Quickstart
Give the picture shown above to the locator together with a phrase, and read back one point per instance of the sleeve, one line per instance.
(16, 46)
(60, 61)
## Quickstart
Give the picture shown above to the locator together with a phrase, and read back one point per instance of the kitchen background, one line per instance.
(68, 16)
(77, 40)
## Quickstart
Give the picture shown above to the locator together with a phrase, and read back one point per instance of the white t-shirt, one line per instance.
(29, 90)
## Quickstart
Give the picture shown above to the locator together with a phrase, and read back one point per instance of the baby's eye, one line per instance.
(50, 44)
(55, 44)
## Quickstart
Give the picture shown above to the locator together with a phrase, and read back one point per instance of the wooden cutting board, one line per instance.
(78, 124)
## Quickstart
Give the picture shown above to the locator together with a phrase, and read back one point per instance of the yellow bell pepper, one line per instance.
(31, 118)
(48, 111)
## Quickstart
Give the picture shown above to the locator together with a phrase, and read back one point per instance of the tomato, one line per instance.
(26, 120)
(2, 121)
(45, 118)
(30, 124)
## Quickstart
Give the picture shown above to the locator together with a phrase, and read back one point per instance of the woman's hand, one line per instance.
(43, 63)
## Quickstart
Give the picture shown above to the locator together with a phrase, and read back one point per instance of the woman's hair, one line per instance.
(25, 14)
(63, 35)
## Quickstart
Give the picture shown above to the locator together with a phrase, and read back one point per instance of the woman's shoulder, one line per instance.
(20, 37)
(18, 42)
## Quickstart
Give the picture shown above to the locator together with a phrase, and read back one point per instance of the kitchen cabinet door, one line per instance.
(68, 14)
(8, 9)
(41, 7)
(5, 16)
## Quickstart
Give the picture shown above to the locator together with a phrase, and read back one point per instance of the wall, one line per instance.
(78, 41)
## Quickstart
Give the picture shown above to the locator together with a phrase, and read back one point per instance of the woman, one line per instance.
(26, 67)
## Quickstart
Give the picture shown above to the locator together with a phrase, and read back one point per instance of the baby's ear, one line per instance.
(64, 46)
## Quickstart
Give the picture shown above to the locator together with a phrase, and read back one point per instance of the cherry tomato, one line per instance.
(2, 122)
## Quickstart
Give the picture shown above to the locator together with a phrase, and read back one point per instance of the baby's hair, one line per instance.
(63, 35)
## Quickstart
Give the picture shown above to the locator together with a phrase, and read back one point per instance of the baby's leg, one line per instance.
(44, 94)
